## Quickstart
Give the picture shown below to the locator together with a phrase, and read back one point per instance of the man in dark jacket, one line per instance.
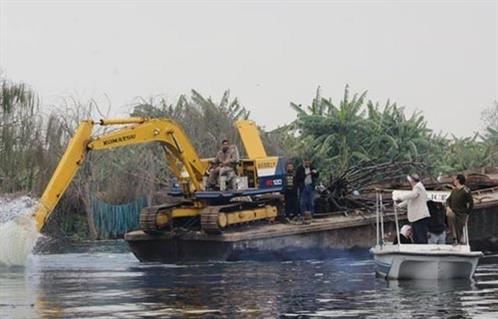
(459, 205)
(306, 176)
(290, 192)
(437, 226)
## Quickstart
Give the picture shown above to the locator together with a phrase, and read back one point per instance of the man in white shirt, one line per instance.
(417, 210)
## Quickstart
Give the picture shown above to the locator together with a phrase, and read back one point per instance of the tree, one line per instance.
(355, 131)
(20, 137)
(205, 121)
(489, 118)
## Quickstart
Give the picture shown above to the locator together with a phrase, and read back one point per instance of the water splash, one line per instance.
(18, 234)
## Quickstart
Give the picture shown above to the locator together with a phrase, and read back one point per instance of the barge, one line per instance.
(322, 238)
(261, 242)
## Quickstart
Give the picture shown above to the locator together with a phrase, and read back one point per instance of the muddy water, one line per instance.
(100, 281)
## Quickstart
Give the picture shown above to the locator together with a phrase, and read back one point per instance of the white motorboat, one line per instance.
(433, 262)
(416, 261)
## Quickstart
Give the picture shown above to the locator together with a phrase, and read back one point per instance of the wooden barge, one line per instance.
(279, 241)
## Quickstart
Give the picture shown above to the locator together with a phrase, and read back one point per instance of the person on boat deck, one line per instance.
(437, 226)
(405, 235)
(458, 207)
(290, 192)
(306, 176)
(417, 210)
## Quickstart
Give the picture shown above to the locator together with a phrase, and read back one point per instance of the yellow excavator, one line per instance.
(254, 196)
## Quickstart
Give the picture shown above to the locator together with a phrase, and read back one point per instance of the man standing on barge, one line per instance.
(459, 205)
(306, 177)
(290, 193)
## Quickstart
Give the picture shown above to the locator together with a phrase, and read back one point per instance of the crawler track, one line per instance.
(148, 217)
(210, 218)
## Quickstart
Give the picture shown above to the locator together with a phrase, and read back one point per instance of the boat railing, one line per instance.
(466, 233)
(379, 209)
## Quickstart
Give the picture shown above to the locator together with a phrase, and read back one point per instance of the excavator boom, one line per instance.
(68, 166)
(141, 130)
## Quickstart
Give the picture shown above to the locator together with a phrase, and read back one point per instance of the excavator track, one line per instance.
(215, 219)
(148, 217)
(210, 218)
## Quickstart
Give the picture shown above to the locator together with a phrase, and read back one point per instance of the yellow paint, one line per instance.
(69, 164)
(120, 121)
(249, 134)
(186, 211)
(162, 219)
(266, 163)
(222, 220)
(244, 216)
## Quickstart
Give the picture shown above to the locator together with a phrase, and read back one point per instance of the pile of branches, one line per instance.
(355, 188)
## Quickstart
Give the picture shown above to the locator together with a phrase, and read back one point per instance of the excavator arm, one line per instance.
(141, 130)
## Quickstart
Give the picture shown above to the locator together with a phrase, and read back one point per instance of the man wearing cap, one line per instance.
(418, 212)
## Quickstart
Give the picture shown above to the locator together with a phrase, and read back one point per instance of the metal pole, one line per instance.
(396, 222)
(381, 219)
(466, 233)
(377, 215)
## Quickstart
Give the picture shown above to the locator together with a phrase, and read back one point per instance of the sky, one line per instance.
(438, 57)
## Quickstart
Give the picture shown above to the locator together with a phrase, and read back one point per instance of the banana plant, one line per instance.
(342, 135)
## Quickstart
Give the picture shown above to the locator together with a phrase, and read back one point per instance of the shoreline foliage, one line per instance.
(338, 136)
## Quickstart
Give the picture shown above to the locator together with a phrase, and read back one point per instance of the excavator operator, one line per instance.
(224, 164)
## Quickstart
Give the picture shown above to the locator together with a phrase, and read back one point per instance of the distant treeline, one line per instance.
(336, 136)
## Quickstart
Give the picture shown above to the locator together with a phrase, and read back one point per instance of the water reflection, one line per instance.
(116, 285)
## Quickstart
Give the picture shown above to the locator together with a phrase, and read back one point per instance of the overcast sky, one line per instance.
(440, 57)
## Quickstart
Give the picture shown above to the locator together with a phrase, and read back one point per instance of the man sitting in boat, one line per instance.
(405, 235)
(459, 205)
(417, 210)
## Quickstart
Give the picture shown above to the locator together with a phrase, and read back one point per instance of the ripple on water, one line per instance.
(117, 285)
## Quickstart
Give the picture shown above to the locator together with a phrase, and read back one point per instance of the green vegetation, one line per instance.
(355, 131)
(337, 136)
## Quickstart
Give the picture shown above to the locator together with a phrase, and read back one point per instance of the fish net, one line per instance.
(113, 221)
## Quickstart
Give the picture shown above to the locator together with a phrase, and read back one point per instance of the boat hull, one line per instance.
(432, 262)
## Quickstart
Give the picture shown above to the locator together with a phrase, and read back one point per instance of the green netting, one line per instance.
(113, 221)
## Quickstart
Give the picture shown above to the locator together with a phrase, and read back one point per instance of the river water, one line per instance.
(106, 281)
